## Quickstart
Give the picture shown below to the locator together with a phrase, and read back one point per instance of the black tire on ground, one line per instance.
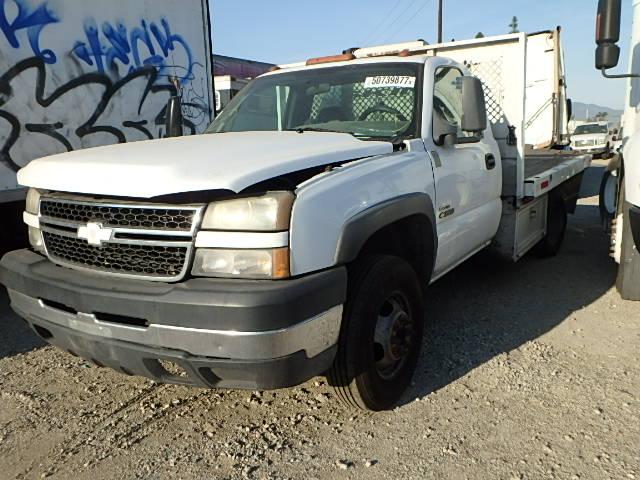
(381, 334)
(628, 281)
(608, 196)
(550, 245)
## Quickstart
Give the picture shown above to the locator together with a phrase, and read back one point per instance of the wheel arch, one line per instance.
(404, 226)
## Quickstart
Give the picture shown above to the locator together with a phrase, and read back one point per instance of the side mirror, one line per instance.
(444, 133)
(608, 34)
(569, 108)
(474, 118)
(174, 117)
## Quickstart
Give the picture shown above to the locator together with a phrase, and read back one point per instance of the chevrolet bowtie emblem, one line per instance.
(95, 234)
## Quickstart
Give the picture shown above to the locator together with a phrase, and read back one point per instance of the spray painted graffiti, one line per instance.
(145, 87)
(71, 77)
(145, 45)
(30, 20)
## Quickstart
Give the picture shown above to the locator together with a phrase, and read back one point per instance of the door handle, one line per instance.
(490, 161)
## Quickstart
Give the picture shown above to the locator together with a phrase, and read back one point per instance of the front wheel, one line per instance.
(381, 334)
(628, 281)
(608, 199)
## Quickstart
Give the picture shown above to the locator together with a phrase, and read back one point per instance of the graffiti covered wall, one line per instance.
(78, 74)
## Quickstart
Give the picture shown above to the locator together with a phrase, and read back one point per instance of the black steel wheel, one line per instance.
(550, 245)
(381, 334)
(628, 281)
(608, 199)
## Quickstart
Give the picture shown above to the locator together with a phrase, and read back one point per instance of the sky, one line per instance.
(281, 31)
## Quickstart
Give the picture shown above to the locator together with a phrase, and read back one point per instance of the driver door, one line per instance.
(467, 179)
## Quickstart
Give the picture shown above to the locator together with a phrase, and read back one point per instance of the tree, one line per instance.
(601, 116)
(479, 35)
(514, 25)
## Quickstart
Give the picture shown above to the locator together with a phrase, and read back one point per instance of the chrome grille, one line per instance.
(585, 143)
(153, 242)
(152, 260)
(119, 216)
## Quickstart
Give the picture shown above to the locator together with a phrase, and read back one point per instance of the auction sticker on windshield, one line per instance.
(393, 81)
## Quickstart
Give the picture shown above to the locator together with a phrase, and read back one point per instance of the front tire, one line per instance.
(381, 334)
(628, 281)
(608, 198)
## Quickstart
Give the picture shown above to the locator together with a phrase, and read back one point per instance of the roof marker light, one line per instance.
(345, 57)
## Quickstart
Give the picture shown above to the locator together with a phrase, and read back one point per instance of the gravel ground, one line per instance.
(529, 371)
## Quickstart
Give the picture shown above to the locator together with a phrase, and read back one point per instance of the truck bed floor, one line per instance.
(537, 162)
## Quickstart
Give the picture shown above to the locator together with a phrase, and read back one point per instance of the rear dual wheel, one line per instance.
(550, 245)
(381, 334)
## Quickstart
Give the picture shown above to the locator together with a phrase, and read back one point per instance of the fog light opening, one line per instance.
(43, 332)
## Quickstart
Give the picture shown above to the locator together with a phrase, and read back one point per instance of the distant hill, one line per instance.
(580, 111)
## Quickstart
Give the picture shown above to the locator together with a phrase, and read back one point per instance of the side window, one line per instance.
(447, 97)
(265, 110)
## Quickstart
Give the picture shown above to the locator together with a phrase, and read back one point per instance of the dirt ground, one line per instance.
(529, 371)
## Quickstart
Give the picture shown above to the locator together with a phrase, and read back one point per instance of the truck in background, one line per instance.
(75, 75)
(620, 190)
(593, 138)
(297, 236)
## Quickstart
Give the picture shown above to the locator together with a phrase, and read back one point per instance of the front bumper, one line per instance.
(222, 333)
(599, 150)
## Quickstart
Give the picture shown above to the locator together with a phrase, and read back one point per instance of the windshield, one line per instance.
(591, 128)
(367, 101)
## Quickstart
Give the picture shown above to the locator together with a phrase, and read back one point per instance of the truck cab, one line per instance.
(297, 236)
(620, 189)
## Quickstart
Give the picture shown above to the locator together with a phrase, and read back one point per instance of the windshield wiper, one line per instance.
(395, 140)
(317, 129)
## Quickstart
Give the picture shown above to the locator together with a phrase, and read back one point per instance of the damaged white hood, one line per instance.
(226, 161)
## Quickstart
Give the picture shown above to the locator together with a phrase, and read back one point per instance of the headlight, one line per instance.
(251, 264)
(268, 213)
(32, 208)
(33, 201)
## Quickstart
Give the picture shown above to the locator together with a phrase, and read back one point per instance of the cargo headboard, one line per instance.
(500, 63)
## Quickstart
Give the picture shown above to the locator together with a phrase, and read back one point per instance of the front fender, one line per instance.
(362, 226)
(335, 213)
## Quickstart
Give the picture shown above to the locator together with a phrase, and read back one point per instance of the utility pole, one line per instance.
(514, 25)
(439, 21)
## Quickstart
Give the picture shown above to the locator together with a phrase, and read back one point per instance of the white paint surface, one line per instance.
(242, 240)
(631, 142)
(227, 161)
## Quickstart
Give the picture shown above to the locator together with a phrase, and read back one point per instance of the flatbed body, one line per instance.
(546, 169)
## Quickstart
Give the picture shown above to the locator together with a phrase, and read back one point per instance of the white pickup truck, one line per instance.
(296, 237)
